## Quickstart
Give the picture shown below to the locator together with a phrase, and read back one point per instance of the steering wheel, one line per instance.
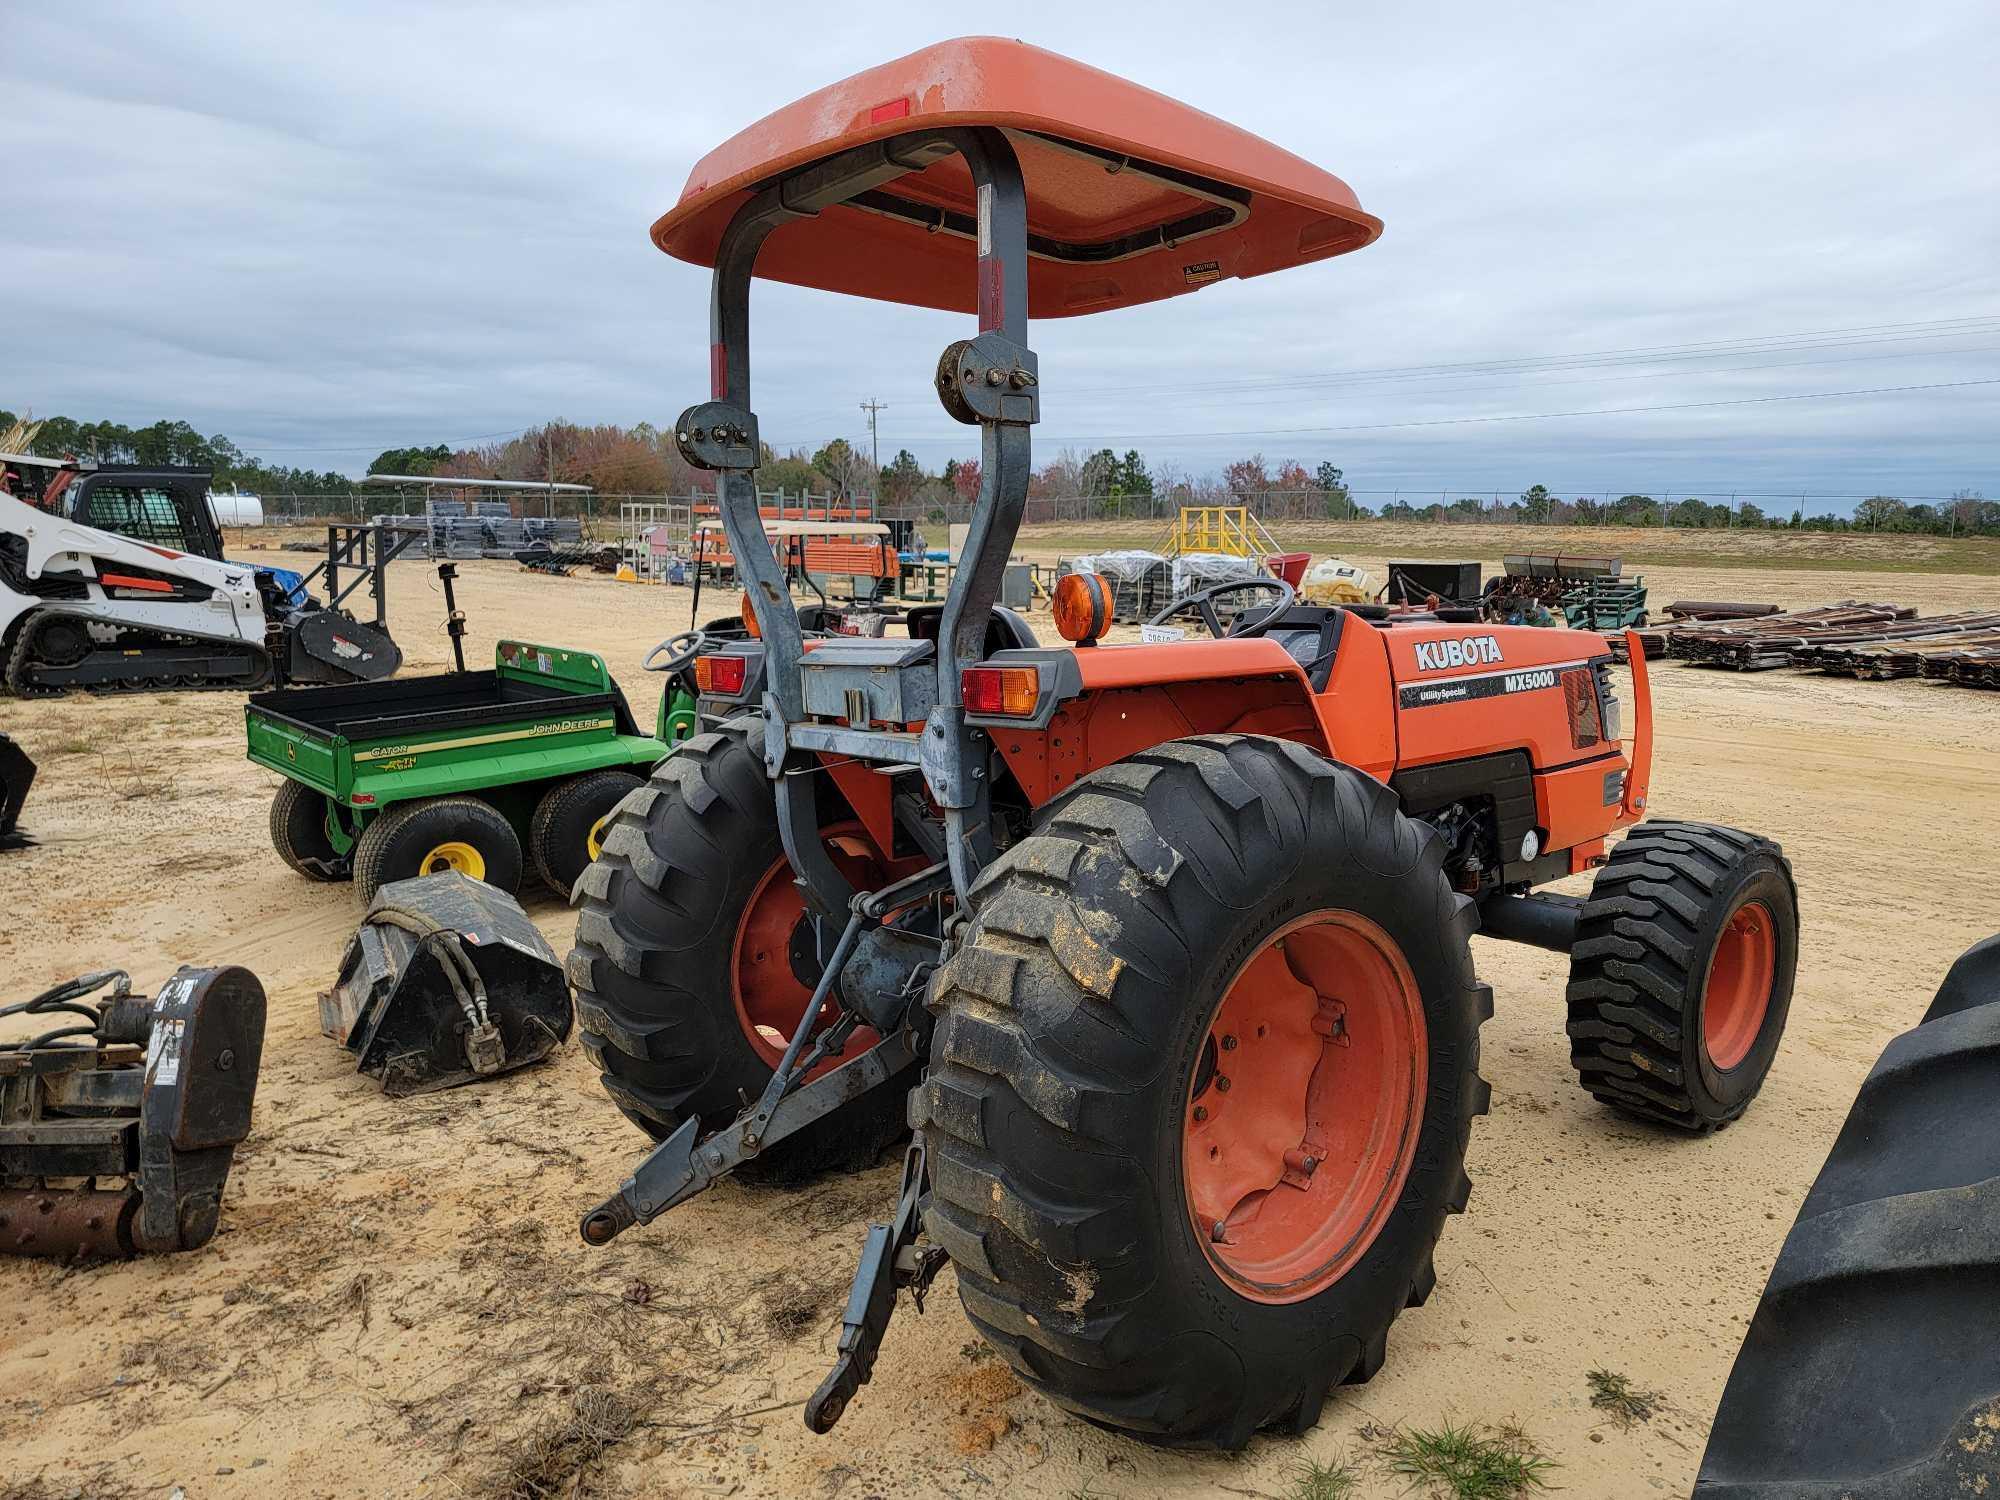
(1203, 600)
(679, 651)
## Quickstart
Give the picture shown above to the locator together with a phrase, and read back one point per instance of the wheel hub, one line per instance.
(453, 855)
(1738, 993)
(1304, 1108)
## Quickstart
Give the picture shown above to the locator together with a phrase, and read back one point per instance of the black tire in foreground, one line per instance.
(1870, 1370)
(298, 833)
(1681, 976)
(686, 861)
(443, 833)
(566, 831)
(1124, 960)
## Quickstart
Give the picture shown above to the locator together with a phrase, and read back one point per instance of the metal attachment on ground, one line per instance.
(118, 1122)
(446, 982)
(718, 435)
(890, 1258)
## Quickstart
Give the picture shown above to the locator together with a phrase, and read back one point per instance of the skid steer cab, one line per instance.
(1162, 949)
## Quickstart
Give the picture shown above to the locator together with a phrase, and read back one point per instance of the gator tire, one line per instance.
(437, 834)
(567, 829)
(298, 833)
(1076, 1026)
(658, 916)
(1681, 976)
(1869, 1370)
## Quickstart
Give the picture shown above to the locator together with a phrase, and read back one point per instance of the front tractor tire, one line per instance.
(1201, 1087)
(1681, 976)
(690, 963)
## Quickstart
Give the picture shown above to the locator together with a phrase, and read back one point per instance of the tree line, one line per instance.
(643, 460)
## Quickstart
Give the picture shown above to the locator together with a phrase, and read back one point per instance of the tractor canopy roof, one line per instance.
(1132, 196)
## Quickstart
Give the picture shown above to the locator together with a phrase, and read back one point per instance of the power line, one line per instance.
(1705, 349)
(1531, 416)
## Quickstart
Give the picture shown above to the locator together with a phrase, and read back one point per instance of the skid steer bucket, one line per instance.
(17, 774)
(446, 982)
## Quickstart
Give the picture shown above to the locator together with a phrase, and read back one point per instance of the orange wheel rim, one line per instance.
(1738, 992)
(1303, 1114)
(770, 998)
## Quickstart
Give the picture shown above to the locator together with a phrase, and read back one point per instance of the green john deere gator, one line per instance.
(485, 773)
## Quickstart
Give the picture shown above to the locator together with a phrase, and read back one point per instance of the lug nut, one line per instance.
(1229, 1044)
(1200, 1113)
(1221, 1083)
(1220, 1232)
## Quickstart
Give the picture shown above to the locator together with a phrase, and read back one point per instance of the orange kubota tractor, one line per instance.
(1163, 950)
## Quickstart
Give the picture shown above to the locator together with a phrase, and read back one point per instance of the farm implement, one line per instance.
(119, 1119)
(1162, 949)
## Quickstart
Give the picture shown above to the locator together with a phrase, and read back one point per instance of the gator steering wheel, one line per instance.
(1203, 600)
(679, 650)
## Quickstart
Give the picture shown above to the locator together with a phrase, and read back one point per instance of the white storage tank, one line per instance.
(234, 508)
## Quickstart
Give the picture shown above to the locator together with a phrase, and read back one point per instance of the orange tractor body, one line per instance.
(1157, 955)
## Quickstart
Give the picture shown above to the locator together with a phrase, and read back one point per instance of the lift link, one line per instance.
(683, 1165)
(890, 1258)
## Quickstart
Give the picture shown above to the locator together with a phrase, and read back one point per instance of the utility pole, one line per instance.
(872, 406)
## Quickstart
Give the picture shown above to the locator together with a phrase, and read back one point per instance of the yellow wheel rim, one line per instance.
(593, 842)
(454, 856)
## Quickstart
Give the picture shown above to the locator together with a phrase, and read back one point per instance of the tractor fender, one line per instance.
(1107, 703)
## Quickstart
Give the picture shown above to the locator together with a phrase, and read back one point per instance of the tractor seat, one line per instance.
(1005, 629)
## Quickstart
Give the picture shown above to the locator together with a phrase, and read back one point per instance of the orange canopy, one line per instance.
(1132, 196)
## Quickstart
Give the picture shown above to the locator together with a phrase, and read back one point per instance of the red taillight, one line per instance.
(1010, 691)
(1586, 724)
(720, 675)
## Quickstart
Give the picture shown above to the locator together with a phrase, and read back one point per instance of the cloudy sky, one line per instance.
(328, 229)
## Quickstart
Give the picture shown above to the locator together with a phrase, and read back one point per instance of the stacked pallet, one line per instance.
(1905, 652)
(1966, 665)
(1758, 645)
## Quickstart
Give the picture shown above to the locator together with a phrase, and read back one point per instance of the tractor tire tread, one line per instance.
(1035, 1190)
(1640, 961)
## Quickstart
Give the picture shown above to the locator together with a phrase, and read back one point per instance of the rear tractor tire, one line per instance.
(567, 830)
(692, 960)
(1681, 976)
(433, 836)
(1201, 1087)
(299, 834)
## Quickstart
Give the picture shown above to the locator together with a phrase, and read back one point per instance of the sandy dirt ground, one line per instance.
(397, 1303)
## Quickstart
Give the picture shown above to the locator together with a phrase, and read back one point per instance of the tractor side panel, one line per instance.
(1466, 691)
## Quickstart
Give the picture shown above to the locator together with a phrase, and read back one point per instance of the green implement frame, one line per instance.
(514, 745)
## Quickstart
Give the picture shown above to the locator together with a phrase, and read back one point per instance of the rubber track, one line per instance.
(1871, 1370)
(1042, 1239)
(1632, 967)
(21, 663)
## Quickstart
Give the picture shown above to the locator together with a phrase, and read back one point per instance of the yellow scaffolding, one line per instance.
(1229, 529)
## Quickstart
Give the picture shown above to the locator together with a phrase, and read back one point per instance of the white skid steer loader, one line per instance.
(113, 580)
